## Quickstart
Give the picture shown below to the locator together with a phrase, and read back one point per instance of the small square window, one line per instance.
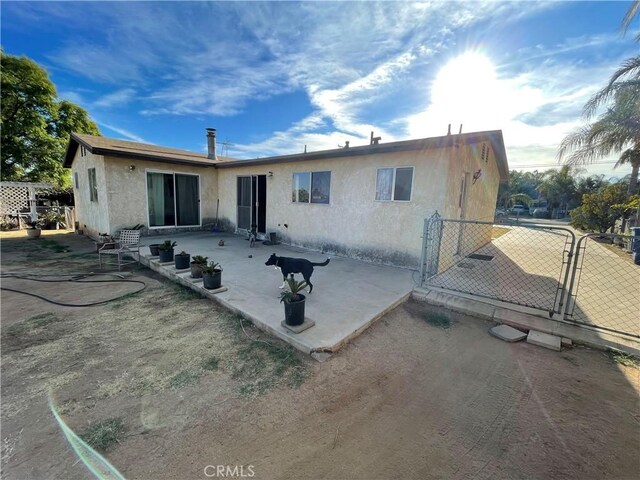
(311, 187)
(301, 187)
(320, 187)
(384, 184)
(402, 185)
(394, 184)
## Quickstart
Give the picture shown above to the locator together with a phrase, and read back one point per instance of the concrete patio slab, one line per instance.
(306, 325)
(348, 295)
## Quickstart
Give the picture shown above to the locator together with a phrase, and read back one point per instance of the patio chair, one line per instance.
(128, 243)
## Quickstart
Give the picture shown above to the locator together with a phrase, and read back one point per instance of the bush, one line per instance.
(51, 218)
(600, 210)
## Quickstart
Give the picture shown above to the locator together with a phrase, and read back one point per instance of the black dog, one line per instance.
(289, 265)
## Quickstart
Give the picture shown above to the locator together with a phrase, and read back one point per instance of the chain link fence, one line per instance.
(605, 284)
(590, 281)
(524, 265)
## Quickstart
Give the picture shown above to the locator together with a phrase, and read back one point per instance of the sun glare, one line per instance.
(465, 88)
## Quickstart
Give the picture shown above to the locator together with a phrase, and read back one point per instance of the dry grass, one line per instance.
(165, 338)
(104, 434)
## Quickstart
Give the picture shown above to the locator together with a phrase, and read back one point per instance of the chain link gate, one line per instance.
(523, 265)
(605, 284)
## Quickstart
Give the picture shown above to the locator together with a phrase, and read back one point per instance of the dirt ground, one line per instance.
(422, 394)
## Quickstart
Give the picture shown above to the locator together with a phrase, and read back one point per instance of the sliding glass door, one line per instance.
(173, 199)
(252, 203)
(245, 200)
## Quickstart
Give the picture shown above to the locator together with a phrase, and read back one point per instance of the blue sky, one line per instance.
(273, 77)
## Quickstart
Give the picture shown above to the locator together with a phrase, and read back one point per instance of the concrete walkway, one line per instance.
(527, 268)
(348, 295)
(608, 289)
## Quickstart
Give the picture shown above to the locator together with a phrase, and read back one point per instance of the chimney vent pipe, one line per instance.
(211, 144)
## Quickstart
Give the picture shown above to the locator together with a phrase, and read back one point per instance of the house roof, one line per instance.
(122, 148)
(494, 137)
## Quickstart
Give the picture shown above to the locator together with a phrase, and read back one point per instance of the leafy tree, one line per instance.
(590, 184)
(520, 183)
(35, 124)
(559, 188)
(600, 210)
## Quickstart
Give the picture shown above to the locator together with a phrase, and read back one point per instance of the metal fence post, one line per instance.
(430, 247)
(423, 253)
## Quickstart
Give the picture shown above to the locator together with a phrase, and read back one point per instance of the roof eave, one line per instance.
(344, 152)
(155, 158)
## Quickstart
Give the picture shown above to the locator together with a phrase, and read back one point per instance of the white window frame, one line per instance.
(311, 187)
(393, 184)
(175, 199)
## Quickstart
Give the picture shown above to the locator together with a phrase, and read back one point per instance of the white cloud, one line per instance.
(72, 96)
(126, 134)
(116, 98)
(350, 58)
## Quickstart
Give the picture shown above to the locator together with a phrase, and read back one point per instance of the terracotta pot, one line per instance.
(196, 270)
(33, 232)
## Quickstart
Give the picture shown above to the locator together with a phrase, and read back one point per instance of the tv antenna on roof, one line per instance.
(225, 147)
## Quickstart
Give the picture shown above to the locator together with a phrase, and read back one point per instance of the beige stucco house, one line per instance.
(365, 202)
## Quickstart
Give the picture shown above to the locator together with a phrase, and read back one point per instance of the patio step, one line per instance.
(544, 340)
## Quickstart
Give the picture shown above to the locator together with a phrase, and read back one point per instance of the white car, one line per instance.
(540, 211)
(518, 210)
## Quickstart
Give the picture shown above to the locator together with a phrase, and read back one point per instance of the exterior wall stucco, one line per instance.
(481, 196)
(354, 223)
(127, 192)
(479, 204)
(92, 217)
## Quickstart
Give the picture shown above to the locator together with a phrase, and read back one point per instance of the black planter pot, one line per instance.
(213, 280)
(196, 270)
(166, 255)
(294, 312)
(153, 248)
(182, 261)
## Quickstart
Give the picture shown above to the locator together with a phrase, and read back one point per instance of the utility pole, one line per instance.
(225, 147)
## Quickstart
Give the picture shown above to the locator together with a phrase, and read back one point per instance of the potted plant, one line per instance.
(197, 262)
(182, 260)
(53, 220)
(293, 302)
(212, 275)
(33, 229)
(166, 251)
(153, 248)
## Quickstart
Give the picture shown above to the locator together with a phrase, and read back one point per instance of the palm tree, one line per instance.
(616, 131)
(634, 9)
(627, 77)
